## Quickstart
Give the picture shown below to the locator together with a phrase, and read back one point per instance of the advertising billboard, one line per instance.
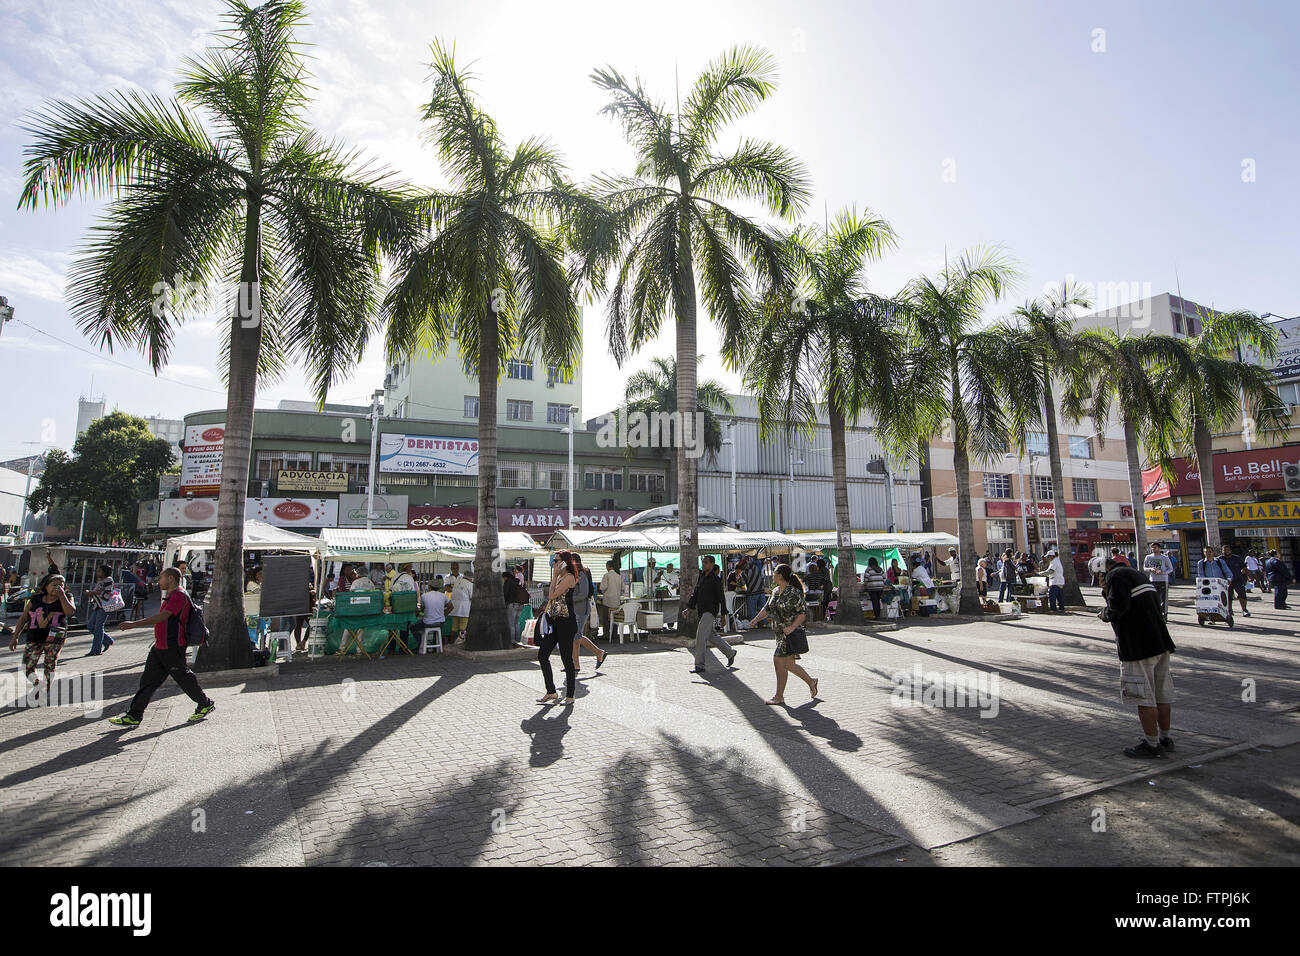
(201, 459)
(428, 455)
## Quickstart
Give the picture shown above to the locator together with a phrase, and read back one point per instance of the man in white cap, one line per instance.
(1055, 572)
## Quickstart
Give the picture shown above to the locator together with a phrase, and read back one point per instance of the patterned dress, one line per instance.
(785, 607)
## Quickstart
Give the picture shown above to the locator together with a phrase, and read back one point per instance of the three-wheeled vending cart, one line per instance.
(1213, 601)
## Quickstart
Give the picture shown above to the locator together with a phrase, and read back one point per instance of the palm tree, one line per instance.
(960, 377)
(1213, 391)
(1120, 372)
(652, 394)
(491, 278)
(834, 346)
(254, 196)
(1048, 326)
(671, 223)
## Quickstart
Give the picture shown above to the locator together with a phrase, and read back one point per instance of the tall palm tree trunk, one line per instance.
(1071, 592)
(687, 466)
(849, 608)
(487, 628)
(1135, 489)
(968, 601)
(228, 643)
(1205, 464)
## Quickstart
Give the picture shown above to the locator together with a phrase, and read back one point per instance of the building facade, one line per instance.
(531, 393)
(311, 469)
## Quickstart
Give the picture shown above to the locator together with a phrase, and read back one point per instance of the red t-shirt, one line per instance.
(171, 632)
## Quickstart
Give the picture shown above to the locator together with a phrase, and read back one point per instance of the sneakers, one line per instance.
(1167, 743)
(124, 720)
(202, 711)
(1144, 750)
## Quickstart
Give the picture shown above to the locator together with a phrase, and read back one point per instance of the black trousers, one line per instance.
(1279, 595)
(875, 601)
(561, 636)
(157, 667)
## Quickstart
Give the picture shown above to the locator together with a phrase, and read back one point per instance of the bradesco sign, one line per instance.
(428, 455)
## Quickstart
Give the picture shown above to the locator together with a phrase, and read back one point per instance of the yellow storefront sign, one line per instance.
(1239, 512)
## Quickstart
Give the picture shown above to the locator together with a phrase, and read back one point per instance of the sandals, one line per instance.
(815, 683)
(602, 660)
(775, 701)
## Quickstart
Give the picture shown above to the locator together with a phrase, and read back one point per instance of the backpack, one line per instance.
(196, 632)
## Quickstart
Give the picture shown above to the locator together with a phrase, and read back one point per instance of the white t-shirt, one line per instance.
(611, 588)
(1056, 572)
(435, 607)
(1252, 563)
(461, 592)
(404, 582)
(922, 577)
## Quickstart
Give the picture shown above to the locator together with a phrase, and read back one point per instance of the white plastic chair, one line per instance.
(624, 619)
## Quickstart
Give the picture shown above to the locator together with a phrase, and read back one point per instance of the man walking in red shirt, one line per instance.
(167, 656)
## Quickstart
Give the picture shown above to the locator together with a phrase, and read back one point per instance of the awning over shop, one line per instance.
(667, 539)
(258, 536)
(879, 541)
(398, 545)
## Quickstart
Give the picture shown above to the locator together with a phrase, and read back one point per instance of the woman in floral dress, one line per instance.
(788, 611)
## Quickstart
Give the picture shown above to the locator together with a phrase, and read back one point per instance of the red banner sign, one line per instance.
(539, 522)
(1234, 472)
(1046, 509)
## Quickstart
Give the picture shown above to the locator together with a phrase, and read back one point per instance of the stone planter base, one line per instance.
(521, 652)
(238, 675)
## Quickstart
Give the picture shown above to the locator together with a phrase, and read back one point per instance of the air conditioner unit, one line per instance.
(559, 496)
(520, 502)
(1291, 476)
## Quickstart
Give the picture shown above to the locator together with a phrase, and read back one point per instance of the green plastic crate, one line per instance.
(358, 603)
(404, 602)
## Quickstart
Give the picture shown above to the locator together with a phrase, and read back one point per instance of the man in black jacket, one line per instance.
(709, 600)
(1278, 575)
(1143, 642)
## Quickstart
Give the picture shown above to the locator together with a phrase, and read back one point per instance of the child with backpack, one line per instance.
(177, 625)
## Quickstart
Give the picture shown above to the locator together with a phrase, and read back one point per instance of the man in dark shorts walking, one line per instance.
(167, 656)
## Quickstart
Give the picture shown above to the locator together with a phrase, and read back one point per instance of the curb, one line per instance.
(524, 652)
(238, 675)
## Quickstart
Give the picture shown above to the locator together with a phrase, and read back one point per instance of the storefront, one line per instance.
(1257, 527)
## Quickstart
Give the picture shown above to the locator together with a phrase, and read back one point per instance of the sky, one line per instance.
(1153, 144)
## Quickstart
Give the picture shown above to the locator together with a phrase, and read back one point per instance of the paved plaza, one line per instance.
(444, 760)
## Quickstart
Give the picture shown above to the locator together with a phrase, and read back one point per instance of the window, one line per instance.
(517, 411)
(1043, 487)
(557, 413)
(1080, 447)
(554, 477)
(521, 369)
(556, 375)
(1289, 393)
(1036, 443)
(997, 486)
(1047, 529)
(270, 462)
(471, 406)
(1178, 323)
(515, 474)
(647, 481)
(356, 466)
(1001, 529)
(1085, 489)
(603, 479)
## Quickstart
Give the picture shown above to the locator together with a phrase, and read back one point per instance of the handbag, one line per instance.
(113, 602)
(796, 642)
(557, 608)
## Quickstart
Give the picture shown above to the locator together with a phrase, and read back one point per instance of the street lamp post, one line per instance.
(374, 446)
(731, 440)
(792, 464)
(568, 430)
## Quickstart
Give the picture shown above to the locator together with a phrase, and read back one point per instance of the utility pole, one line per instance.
(731, 440)
(568, 429)
(6, 312)
(374, 447)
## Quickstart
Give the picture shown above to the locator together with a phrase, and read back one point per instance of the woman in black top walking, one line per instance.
(48, 617)
(559, 615)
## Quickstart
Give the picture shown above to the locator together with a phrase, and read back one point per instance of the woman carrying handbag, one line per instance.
(788, 612)
(562, 628)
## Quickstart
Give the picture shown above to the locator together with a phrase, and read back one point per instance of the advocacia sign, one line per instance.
(286, 480)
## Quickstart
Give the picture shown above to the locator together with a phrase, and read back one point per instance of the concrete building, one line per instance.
(89, 411)
(767, 499)
(1165, 313)
(1011, 497)
(531, 394)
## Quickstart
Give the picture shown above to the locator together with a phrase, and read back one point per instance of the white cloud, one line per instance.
(23, 274)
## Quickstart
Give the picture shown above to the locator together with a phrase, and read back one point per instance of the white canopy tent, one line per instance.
(383, 544)
(258, 536)
(880, 540)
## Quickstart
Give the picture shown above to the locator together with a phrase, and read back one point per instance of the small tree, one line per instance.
(114, 464)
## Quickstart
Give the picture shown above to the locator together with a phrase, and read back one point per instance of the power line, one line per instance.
(112, 361)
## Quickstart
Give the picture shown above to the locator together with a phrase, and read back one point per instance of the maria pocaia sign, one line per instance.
(428, 455)
(537, 521)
